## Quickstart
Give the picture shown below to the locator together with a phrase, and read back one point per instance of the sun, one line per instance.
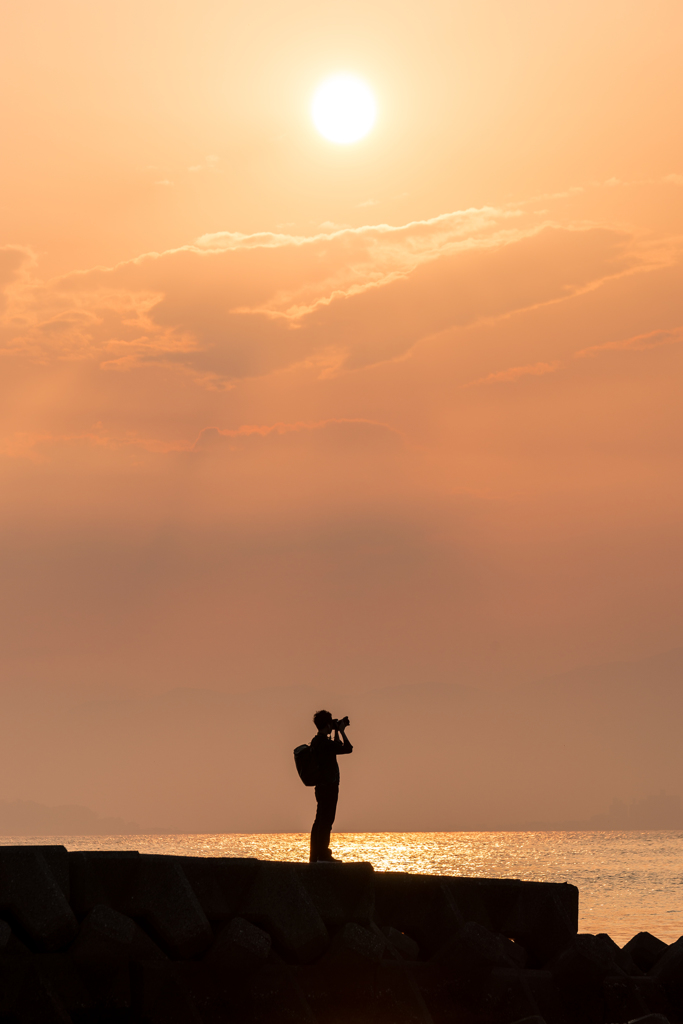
(343, 109)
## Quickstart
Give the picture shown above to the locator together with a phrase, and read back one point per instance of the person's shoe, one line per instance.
(329, 859)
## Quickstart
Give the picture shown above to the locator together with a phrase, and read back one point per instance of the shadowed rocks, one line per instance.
(122, 937)
(31, 897)
(645, 950)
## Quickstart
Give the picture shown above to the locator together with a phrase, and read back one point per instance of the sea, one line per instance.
(628, 881)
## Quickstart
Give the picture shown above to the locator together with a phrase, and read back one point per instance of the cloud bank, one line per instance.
(442, 450)
(232, 307)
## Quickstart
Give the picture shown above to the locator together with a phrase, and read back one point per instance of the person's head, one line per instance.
(322, 720)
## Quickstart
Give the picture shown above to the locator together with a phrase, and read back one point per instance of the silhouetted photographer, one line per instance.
(325, 749)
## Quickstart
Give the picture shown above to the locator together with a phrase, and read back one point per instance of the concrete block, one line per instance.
(104, 941)
(340, 892)
(240, 946)
(469, 896)
(622, 957)
(474, 951)
(623, 999)
(218, 999)
(278, 902)
(337, 991)
(398, 999)
(145, 948)
(654, 996)
(57, 860)
(104, 877)
(435, 986)
(32, 901)
(542, 917)
(276, 997)
(355, 941)
(9, 944)
(669, 964)
(159, 996)
(471, 956)
(169, 909)
(363, 990)
(651, 1018)
(488, 901)
(495, 902)
(39, 1003)
(551, 1006)
(406, 947)
(15, 947)
(12, 974)
(422, 906)
(645, 950)
(507, 996)
(668, 974)
(61, 975)
(579, 971)
(219, 883)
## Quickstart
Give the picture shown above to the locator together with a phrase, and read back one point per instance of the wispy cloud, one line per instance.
(233, 306)
(638, 343)
(515, 372)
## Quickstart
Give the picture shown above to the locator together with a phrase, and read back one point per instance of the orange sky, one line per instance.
(279, 411)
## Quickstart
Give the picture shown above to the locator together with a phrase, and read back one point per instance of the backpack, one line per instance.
(306, 764)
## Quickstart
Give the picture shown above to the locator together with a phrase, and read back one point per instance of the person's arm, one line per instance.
(342, 746)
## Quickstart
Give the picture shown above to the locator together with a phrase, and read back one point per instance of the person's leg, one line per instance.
(327, 797)
(315, 831)
(331, 799)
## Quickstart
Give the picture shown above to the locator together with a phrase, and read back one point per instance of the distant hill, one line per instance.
(28, 818)
(655, 812)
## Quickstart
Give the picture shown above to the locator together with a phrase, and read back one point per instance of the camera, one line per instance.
(340, 723)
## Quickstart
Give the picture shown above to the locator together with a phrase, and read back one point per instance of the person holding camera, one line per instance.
(327, 787)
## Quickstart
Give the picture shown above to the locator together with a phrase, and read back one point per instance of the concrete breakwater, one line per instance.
(113, 937)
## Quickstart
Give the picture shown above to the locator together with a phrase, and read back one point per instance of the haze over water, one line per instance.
(628, 881)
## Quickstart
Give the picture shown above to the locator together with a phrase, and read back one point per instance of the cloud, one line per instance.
(13, 259)
(515, 372)
(331, 439)
(237, 306)
(305, 467)
(639, 343)
(361, 513)
(273, 470)
(338, 433)
(210, 164)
